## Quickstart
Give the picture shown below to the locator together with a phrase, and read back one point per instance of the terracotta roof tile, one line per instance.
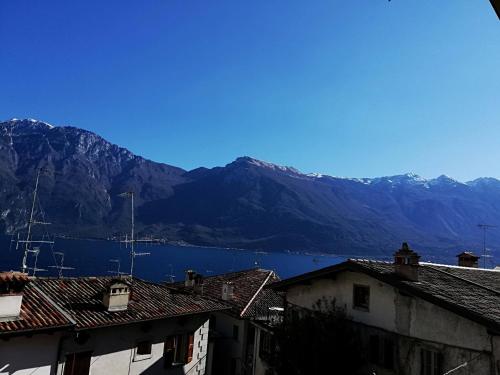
(37, 313)
(81, 298)
(248, 289)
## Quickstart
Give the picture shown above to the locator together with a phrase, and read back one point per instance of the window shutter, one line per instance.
(190, 346)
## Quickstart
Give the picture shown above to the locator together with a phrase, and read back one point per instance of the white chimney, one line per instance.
(11, 294)
(116, 295)
(227, 291)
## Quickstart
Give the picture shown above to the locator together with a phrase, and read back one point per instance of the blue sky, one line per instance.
(349, 88)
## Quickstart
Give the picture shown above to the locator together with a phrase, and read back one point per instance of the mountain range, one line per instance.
(246, 204)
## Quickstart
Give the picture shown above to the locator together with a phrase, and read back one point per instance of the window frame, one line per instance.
(143, 356)
(360, 307)
(183, 349)
(435, 365)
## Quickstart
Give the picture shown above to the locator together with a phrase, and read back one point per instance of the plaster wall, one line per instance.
(114, 349)
(393, 311)
(29, 355)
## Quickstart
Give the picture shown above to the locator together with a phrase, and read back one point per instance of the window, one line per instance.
(431, 362)
(382, 351)
(144, 348)
(361, 297)
(143, 351)
(189, 348)
(178, 350)
(77, 363)
(235, 332)
(266, 345)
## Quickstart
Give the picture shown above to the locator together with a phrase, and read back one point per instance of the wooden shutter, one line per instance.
(189, 348)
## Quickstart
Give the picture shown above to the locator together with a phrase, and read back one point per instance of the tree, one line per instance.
(318, 341)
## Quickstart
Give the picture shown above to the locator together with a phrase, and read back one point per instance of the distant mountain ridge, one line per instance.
(246, 204)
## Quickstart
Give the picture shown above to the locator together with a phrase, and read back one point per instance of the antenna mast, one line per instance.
(60, 268)
(485, 227)
(133, 254)
(29, 241)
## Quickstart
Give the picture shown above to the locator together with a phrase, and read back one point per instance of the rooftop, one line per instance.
(81, 298)
(37, 314)
(471, 292)
(248, 295)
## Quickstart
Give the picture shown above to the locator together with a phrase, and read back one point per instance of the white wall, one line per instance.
(34, 355)
(113, 348)
(225, 347)
(393, 312)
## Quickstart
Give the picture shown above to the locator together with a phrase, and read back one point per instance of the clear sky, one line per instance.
(349, 88)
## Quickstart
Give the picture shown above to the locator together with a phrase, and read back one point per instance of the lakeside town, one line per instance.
(400, 317)
(249, 188)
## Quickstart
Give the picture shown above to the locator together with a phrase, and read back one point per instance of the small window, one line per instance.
(382, 351)
(77, 363)
(143, 350)
(361, 297)
(431, 362)
(235, 332)
(178, 350)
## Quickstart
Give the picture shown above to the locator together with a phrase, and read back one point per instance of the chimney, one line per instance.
(11, 294)
(117, 295)
(190, 278)
(468, 259)
(227, 291)
(406, 263)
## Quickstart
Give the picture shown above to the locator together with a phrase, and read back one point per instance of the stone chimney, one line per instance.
(117, 295)
(406, 263)
(227, 291)
(190, 278)
(468, 259)
(11, 294)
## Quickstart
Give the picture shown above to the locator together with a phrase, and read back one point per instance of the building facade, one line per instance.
(413, 318)
(101, 325)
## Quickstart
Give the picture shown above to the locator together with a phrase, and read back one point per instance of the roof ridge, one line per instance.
(55, 304)
(466, 280)
(256, 293)
(236, 272)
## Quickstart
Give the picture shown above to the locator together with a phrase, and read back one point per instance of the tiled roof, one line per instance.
(248, 289)
(81, 298)
(265, 299)
(470, 292)
(37, 314)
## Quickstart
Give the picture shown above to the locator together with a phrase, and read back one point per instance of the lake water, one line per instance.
(169, 262)
(92, 258)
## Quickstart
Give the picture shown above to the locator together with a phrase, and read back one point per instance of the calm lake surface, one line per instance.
(169, 262)
(92, 258)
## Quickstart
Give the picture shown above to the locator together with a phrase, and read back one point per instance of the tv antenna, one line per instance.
(171, 276)
(35, 251)
(60, 267)
(28, 249)
(133, 254)
(485, 228)
(117, 271)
